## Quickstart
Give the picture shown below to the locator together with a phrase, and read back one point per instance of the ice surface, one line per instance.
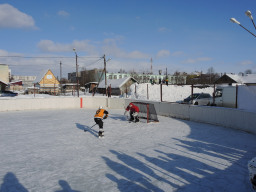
(48, 151)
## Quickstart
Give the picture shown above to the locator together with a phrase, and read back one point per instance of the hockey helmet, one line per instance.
(100, 107)
(252, 172)
(130, 105)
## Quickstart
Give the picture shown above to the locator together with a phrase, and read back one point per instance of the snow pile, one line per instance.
(173, 93)
(170, 93)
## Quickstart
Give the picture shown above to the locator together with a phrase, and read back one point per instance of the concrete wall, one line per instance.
(227, 117)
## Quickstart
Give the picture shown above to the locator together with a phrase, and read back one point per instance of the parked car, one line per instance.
(8, 94)
(198, 99)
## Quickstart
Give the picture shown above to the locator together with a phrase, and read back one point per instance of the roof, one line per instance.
(232, 78)
(116, 83)
(250, 78)
(3, 82)
(40, 76)
(18, 82)
(92, 83)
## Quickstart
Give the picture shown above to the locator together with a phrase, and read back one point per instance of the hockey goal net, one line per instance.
(147, 111)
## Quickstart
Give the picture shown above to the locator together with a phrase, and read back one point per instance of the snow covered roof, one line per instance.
(18, 82)
(94, 82)
(239, 79)
(249, 78)
(116, 83)
(3, 82)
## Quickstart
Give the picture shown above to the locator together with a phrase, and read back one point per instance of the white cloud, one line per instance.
(10, 17)
(163, 53)
(196, 60)
(177, 53)
(50, 46)
(163, 29)
(63, 13)
(246, 62)
(110, 47)
(3, 53)
(127, 65)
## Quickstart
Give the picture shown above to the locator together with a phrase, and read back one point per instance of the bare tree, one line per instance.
(248, 71)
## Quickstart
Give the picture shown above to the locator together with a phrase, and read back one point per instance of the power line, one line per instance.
(52, 57)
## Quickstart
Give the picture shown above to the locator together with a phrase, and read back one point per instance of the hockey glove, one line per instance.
(135, 114)
(105, 117)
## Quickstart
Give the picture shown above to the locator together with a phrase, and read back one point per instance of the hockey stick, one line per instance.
(90, 127)
(93, 126)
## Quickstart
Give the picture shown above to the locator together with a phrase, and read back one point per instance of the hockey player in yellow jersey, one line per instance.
(100, 114)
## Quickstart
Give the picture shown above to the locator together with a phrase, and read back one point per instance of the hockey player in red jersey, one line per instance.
(134, 112)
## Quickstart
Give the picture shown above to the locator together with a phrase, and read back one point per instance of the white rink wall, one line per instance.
(227, 117)
(38, 103)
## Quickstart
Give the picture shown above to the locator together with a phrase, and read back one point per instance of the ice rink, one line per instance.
(48, 151)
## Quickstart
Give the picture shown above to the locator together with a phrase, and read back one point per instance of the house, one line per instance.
(16, 85)
(89, 87)
(248, 79)
(117, 86)
(3, 85)
(69, 87)
(47, 83)
(27, 81)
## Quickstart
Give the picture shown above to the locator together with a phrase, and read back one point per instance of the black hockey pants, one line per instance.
(99, 122)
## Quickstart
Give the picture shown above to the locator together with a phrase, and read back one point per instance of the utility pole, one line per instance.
(60, 71)
(60, 77)
(105, 71)
(77, 73)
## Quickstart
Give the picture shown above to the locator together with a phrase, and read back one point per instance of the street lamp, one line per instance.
(249, 14)
(77, 80)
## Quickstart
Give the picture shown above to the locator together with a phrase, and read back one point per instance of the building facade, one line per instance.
(149, 78)
(27, 81)
(98, 75)
(4, 73)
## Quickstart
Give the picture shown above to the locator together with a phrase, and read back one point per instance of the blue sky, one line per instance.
(180, 35)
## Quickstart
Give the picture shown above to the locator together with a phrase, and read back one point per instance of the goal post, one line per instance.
(147, 111)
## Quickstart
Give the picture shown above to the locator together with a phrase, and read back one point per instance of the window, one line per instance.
(218, 93)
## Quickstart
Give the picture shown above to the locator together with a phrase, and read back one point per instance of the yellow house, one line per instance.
(48, 83)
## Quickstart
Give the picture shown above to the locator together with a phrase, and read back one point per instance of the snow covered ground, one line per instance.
(48, 151)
